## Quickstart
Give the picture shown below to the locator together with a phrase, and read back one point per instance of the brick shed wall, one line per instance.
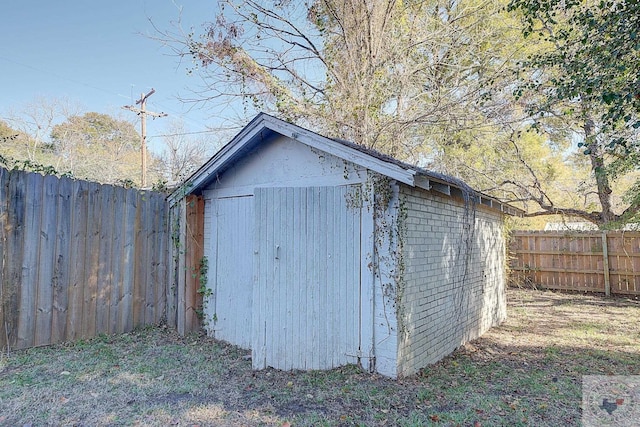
(454, 278)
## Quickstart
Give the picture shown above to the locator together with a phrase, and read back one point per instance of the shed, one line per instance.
(322, 253)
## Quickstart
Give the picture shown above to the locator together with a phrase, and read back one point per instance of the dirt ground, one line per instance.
(527, 372)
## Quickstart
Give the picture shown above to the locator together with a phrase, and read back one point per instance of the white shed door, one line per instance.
(307, 291)
(230, 313)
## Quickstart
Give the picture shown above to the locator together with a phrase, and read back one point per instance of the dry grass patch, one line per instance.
(526, 372)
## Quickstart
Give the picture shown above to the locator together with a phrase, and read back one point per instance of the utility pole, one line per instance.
(143, 113)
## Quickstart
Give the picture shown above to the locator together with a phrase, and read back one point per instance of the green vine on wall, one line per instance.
(12, 164)
(201, 271)
(390, 231)
(176, 238)
(401, 284)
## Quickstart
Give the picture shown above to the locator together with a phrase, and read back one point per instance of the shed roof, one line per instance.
(263, 126)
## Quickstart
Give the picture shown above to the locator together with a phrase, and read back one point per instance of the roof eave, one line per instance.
(414, 177)
(433, 184)
(226, 153)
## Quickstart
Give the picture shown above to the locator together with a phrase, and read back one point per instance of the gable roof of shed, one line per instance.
(264, 125)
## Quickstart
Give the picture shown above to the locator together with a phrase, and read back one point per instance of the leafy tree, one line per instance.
(54, 136)
(98, 147)
(585, 80)
(596, 52)
(427, 82)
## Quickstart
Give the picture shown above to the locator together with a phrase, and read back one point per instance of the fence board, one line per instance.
(160, 260)
(78, 259)
(46, 262)
(3, 239)
(149, 282)
(129, 227)
(575, 261)
(160, 254)
(181, 269)
(187, 228)
(138, 275)
(92, 248)
(117, 253)
(12, 272)
(28, 292)
(61, 275)
(104, 270)
(174, 254)
(194, 246)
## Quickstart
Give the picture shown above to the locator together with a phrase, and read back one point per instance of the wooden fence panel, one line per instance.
(187, 251)
(79, 259)
(597, 261)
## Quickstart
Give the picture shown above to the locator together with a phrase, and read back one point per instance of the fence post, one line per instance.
(605, 264)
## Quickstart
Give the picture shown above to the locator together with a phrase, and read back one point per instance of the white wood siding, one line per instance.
(307, 289)
(228, 311)
(284, 162)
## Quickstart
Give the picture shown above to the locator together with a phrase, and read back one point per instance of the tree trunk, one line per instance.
(598, 169)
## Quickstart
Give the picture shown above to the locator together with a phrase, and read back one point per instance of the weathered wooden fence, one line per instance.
(594, 261)
(79, 259)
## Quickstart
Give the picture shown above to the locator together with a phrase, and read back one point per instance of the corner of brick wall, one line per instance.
(445, 304)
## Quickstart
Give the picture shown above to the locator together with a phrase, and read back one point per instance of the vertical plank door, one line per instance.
(306, 312)
(228, 309)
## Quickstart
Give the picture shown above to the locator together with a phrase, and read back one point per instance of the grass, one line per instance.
(526, 372)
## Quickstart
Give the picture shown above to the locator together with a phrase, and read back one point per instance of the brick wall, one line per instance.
(454, 276)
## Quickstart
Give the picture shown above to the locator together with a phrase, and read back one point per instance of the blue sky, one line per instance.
(96, 54)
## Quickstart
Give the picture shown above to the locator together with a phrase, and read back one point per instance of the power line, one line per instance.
(61, 77)
(174, 112)
(182, 134)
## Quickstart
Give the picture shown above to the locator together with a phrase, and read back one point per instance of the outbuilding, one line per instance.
(321, 253)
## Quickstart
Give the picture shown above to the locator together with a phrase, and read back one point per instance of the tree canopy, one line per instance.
(585, 79)
(54, 136)
(97, 146)
(596, 50)
(498, 96)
